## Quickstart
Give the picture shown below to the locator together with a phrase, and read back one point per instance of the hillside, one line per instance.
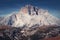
(44, 33)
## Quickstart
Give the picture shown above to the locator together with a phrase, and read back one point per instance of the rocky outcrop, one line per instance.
(13, 33)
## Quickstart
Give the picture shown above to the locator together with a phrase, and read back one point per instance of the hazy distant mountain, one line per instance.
(29, 16)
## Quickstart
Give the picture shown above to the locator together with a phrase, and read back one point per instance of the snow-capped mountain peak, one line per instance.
(29, 16)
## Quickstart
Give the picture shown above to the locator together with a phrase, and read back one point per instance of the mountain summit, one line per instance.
(30, 16)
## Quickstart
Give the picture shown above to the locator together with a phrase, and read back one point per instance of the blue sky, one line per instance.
(9, 6)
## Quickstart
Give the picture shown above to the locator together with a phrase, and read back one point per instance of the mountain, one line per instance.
(30, 16)
(14, 33)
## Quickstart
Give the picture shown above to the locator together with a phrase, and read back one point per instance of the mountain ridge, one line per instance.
(29, 16)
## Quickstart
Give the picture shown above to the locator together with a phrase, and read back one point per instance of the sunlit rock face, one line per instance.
(30, 15)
